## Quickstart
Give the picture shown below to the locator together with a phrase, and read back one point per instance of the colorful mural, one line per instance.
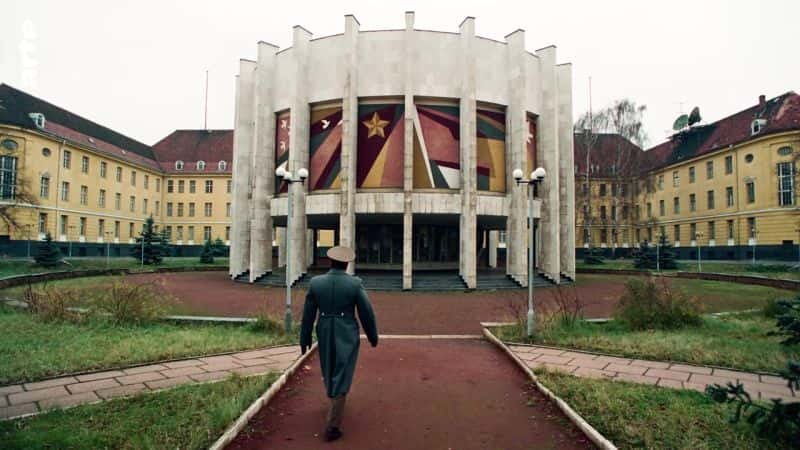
(491, 129)
(530, 144)
(436, 147)
(283, 122)
(325, 148)
(380, 146)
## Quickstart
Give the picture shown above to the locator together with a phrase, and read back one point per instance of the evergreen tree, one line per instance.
(48, 254)
(219, 247)
(593, 255)
(149, 242)
(645, 257)
(666, 256)
(207, 256)
(165, 241)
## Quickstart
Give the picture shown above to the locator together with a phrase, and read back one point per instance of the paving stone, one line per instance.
(3, 401)
(579, 355)
(69, 400)
(172, 373)
(593, 373)
(210, 376)
(283, 350)
(691, 369)
(520, 348)
(224, 366)
(621, 368)
(636, 378)
(528, 356)
(184, 363)
(169, 382)
(650, 364)
(142, 369)
(50, 383)
(251, 354)
(552, 367)
(614, 359)
(771, 379)
(217, 359)
(284, 357)
(742, 376)
(253, 370)
(766, 388)
(253, 362)
(100, 375)
(13, 389)
(668, 374)
(34, 396)
(694, 386)
(547, 351)
(709, 379)
(589, 363)
(553, 359)
(18, 410)
(674, 384)
(140, 378)
(121, 391)
(92, 386)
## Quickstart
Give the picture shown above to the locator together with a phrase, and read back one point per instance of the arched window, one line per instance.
(222, 165)
(179, 165)
(201, 165)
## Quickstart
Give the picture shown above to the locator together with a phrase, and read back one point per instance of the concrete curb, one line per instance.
(587, 429)
(236, 427)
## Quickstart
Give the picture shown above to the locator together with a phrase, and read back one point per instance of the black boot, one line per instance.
(332, 434)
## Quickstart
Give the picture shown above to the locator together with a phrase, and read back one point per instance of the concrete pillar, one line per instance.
(311, 245)
(549, 256)
(468, 145)
(566, 175)
(242, 155)
(494, 237)
(408, 155)
(347, 212)
(263, 164)
(517, 235)
(298, 151)
(280, 238)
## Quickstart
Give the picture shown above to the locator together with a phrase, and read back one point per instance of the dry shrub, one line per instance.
(52, 304)
(646, 305)
(267, 322)
(127, 303)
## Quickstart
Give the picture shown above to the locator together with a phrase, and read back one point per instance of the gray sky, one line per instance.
(139, 66)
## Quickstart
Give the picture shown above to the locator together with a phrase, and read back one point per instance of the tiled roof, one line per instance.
(781, 114)
(191, 146)
(611, 155)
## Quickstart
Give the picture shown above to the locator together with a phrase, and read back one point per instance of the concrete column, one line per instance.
(566, 175)
(298, 150)
(263, 164)
(494, 237)
(408, 155)
(468, 145)
(347, 212)
(517, 237)
(242, 155)
(280, 238)
(549, 256)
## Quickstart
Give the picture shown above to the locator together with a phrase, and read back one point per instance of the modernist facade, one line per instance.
(410, 138)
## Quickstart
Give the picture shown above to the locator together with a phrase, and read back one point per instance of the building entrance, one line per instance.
(435, 244)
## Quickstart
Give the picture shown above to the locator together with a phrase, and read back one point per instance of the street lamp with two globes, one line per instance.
(536, 177)
(289, 178)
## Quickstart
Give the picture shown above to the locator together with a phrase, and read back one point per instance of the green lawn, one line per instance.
(737, 341)
(715, 267)
(9, 267)
(31, 349)
(188, 417)
(642, 416)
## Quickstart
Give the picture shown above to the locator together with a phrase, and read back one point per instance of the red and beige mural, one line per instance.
(283, 123)
(491, 129)
(530, 144)
(325, 148)
(380, 146)
(436, 147)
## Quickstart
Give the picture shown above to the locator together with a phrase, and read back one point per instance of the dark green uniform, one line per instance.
(336, 295)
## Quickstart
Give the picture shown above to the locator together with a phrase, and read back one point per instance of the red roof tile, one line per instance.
(610, 153)
(191, 146)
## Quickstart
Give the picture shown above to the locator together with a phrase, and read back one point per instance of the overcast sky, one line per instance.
(139, 66)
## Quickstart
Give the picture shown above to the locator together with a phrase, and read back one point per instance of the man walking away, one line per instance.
(336, 295)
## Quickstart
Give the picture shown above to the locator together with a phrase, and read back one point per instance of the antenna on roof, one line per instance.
(205, 106)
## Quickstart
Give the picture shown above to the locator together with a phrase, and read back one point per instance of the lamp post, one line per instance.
(288, 177)
(536, 177)
(697, 237)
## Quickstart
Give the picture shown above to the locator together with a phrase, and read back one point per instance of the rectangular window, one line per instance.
(67, 159)
(146, 181)
(691, 174)
(623, 191)
(116, 229)
(132, 205)
(181, 185)
(650, 234)
(786, 194)
(677, 231)
(64, 226)
(158, 184)
(82, 227)
(585, 188)
(603, 212)
(130, 230)
(207, 209)
(133, 178)
(119, 174)
(8, 177)
(101, 228)
(206, 233)
(661, 209)
(602, 190)
(209, 186)
(729, 196)
(693, 231)
(192, 186)
(230, 184)
(676, 179)
(710, 199)
(64, 191)
(692, 203)
(676, 205)
(660, 182)
(728, 165)
(663, 230)
(42, 223)
(227, 210)
(191, 209)
(101, 198)
(228, 233)
(103, 169)
(170, 186)
(191, 232)
(144, 206)
(603, 235)
(614, 189)
(44, 187)
(613, 212)
(180, 209)
(117, 201)
(712, 230)
(750, 186)
(710, 170)
(158, 208)
(85, 164)
(751, 227)
(84, 195)
(649, 209)
(730, 229)
(168, 232)
(179, 234)
(169, 209)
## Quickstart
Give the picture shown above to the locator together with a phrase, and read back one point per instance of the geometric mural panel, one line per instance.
(530, 144)
(325, 148)
(380, 146)
(491, 130)
(436, 147)
(282, 126)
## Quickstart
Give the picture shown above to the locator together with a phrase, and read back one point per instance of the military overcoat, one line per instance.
(337, 296)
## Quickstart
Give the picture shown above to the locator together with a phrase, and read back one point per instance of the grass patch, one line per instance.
(762, 270)
(9, 267)
(31, 349)
(187, 417)
(738, 341)
(642, 416)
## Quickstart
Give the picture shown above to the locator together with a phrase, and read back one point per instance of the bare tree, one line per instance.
(20, 195)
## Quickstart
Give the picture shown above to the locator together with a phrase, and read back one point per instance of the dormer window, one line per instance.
(757, 125)
(201, 165)
(222, 165)
(178, 165)
(38, 119)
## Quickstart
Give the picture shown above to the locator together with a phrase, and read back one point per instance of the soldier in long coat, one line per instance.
(337, 295)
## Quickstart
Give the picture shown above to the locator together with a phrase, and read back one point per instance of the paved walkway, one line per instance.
(29, 398)
(672, 375)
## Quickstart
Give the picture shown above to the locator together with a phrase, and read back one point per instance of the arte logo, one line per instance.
(27, 53)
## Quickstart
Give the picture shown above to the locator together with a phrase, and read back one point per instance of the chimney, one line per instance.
(762, 100)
